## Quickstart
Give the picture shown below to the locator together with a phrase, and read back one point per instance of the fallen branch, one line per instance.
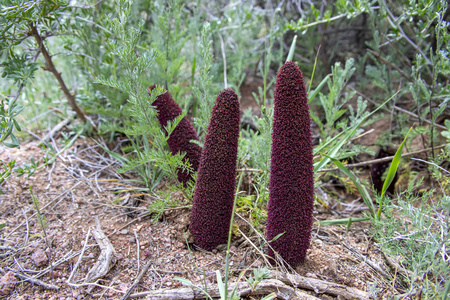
(107, 257)
(368, 262)
(320, 286)
(55, 129)
(32, 280)
(271, 286)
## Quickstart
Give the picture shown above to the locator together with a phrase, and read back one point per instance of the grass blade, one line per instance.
(312, 75)
(345, 221)
(362, 189)
(292, 50)
(391, 173)
(188, 282)
(318, 88)
(221, 286)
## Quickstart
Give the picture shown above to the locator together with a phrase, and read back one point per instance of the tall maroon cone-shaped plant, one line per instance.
(216, 180)
(291, 172)
(180, 139)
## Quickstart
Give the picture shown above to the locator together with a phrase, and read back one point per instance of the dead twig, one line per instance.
(400, 110)
(270, 286)
(319, 286)
(137, 251)
(375, 161)
(55, 129)
(136, 281)
(80, 257)
(385, 61)
(25, 242)
(34, 280)
(249, 170)
(395, 265)
(368, 262)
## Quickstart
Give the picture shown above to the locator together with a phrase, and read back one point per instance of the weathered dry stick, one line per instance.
(34, 280)
(375, 161)
(54, 199)
(45, 206)
(385, 61)
(80, 257)
(136, 281)
(138, 247)
(249, 170)
(405, 273)
(320, 286)
(368, 262)
(55, 129)
(28, 229)
(401, 110)
(362, 134)
(107, 257)
(271, 286)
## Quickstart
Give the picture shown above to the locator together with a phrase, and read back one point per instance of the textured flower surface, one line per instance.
(291, 173)
(216, 180)
(180, 139)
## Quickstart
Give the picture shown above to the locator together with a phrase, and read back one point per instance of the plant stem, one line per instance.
(230, 232)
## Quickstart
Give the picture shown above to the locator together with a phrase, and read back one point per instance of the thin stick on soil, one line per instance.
(137, 251)
(28, 229)
(34, 280)
(367, 261)
(54, 199)
(80, 257)
(136, 281)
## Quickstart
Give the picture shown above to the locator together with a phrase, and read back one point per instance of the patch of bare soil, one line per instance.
(82, 186)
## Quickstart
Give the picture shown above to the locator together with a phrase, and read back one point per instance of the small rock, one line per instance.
(132, 239)
(7, 283)
(124, 231)
(311, 275)
(39, 258)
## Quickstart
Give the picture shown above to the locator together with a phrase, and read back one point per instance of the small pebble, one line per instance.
(124, 231)
(39, 258)
(132, 239)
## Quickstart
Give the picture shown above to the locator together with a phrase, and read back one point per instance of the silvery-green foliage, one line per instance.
(143, 125)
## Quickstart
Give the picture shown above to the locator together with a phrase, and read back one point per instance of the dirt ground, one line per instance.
(82, 185)
(81, 195)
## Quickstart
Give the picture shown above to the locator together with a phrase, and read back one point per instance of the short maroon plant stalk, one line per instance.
(216, 180)
(180, 139)
(291, 172)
